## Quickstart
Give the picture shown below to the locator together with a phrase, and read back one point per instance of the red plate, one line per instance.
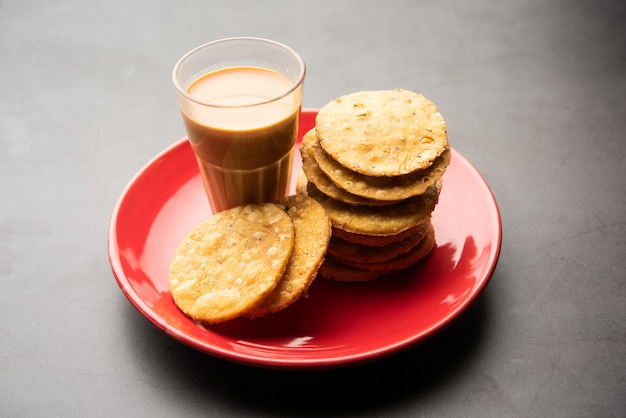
(336, 323)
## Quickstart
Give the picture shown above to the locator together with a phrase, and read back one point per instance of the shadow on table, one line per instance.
(408, 375)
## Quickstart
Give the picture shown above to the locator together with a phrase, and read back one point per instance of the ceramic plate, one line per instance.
(335, 324)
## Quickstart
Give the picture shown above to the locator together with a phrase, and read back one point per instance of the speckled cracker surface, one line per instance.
(231, 262)
(312, 232)
(382, 133)
(381, 188)
(375, 221)
(313, 173)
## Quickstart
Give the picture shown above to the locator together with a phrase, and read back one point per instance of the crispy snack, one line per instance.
(347, 251)
(402, 261)
(231, 262)
(382, 133)
(312, 232)
(384, 189)
(378, 221)
(301, 183)
(324, 184)
(375, 240)
(336, 270)
(345, 271)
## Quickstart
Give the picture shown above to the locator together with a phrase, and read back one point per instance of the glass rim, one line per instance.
(183, 92)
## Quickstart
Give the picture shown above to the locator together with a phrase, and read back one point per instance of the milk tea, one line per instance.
(243, 139)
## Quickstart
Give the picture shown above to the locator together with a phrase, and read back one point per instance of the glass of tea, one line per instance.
(240, 100)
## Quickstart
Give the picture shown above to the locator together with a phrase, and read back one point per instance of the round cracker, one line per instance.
(324, 184)
(383, 132)
(378, 221)
(312, 231)
(373, 240)
(402, 261)
(333, 269)
(383, 189)
(231, 262)
(348, 251)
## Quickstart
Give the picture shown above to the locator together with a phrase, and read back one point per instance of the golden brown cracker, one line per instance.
(231, 262)
(301, 182)
(312, 232)
(348, 251)
(381, 188)
(373, 240)
(383, 132)
(324, 184)
(402, 261)
(377, 221)
(336, 270)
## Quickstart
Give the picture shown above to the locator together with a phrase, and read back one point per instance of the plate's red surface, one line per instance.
(336, 323)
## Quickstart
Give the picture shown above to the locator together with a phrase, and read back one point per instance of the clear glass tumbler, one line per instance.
(240, 99)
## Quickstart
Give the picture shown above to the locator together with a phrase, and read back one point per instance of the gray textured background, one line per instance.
(534, 93)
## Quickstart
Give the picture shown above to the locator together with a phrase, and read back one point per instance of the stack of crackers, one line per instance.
(375, 161)
(249, 261)
(372, 174)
